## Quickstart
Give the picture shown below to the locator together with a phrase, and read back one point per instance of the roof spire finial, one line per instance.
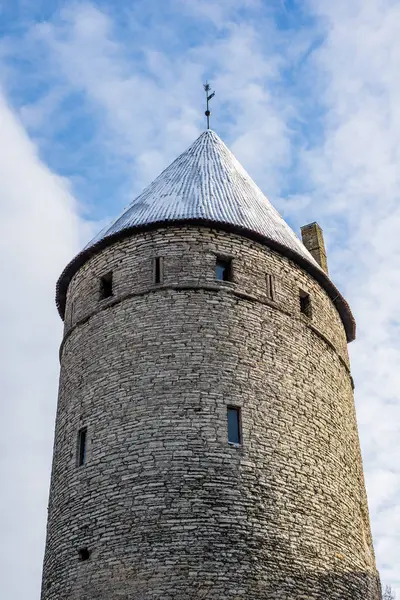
(207, 88)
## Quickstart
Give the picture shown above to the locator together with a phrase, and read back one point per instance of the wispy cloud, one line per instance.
(40, 230)
(355, 189)
(307, 98)
(147, 101)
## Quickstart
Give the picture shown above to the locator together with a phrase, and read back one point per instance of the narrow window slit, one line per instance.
(270, 286)
(106, 286)
(223, 269)
(305, 304)
(157, 269)
(234, 425)
(71, 313)
(82, 443)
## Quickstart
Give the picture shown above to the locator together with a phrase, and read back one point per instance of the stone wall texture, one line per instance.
(167, 508)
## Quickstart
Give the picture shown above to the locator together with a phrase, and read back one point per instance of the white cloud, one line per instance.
(219, 13)
(146, 113)
(356, 184)
(39, 232)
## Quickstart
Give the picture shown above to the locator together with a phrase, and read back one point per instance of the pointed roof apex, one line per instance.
(207, 182)
(207, 185)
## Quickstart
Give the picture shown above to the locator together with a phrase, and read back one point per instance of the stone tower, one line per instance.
(206, 443)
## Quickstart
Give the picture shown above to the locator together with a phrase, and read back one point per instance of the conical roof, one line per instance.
(206, 184)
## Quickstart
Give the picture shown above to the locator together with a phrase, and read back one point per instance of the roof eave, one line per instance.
(80, 259)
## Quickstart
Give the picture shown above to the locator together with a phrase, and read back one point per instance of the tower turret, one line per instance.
(206, 442)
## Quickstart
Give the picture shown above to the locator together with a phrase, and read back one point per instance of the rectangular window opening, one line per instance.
(270, 285)
(106, 286)
(157, 269)
(223, 269)
(305, 304)
(71, 313)
(234, 425)
(84, 553)
(82, 437)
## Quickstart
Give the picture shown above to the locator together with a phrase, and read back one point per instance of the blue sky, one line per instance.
(96, 98)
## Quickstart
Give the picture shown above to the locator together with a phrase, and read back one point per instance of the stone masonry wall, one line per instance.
(168, 509)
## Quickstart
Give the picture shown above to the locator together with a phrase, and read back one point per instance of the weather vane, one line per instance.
(207, 88)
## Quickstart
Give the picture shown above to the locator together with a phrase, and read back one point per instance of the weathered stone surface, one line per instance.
(168, 509)
(313, 239)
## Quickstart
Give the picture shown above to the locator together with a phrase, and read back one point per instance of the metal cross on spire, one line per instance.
(207, 88)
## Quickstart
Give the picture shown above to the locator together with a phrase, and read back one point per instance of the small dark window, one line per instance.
(83, 553)
(71, 313)
(234, 425)
(82, 439)
(305, 304)
(270, 285)
(106, 286)
(157, 269)
(223, 269)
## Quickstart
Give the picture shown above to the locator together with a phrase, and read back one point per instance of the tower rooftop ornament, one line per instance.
(207, 89)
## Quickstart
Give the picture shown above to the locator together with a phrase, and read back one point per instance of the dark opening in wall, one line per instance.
(270, 285)
(223, 269)
(83, 553)
(82, 443)
(106, 286)
(157, 269)
(234, 425)
(71, 313)
(305, 304)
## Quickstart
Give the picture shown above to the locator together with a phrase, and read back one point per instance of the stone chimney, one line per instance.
(313, 239)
